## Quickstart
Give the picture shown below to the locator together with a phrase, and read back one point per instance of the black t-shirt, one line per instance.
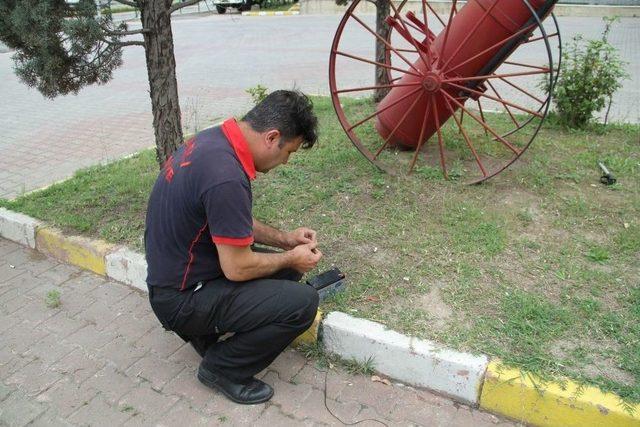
(201, 197)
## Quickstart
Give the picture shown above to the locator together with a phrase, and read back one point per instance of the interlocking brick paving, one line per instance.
(64, 366)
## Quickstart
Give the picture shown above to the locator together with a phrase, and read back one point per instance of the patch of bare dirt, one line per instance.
(433, 304)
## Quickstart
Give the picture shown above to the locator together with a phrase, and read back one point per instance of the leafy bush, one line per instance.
(258, 93)
(590, 74)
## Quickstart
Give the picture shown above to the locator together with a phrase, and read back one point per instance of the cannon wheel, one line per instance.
(483, 145)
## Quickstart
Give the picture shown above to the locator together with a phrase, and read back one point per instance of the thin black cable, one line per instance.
(335, 416)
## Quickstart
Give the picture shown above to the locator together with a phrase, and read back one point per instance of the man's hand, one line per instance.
(299, 236)
(305, 257)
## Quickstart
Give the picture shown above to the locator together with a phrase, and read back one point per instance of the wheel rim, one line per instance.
(437, 80)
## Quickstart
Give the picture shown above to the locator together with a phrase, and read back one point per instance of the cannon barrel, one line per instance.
(464, 49)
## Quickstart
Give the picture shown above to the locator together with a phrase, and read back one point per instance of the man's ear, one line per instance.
(272, 138)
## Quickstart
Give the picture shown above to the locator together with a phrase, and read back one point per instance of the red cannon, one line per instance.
(473, 79)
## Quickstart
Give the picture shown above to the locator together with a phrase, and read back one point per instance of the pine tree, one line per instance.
(61, 46)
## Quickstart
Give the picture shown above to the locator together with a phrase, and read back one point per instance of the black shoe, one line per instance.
(248, 392)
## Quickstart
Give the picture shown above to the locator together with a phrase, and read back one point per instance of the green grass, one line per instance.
(538, 266)
(52, 299)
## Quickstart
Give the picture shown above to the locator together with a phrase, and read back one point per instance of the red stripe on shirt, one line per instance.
(233, 241)
(191, 257)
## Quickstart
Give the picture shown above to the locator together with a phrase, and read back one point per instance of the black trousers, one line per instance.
(265, 315)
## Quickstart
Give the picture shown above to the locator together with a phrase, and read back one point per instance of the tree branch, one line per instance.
(181, 5)
(126, 33)
(123, 44)
(130, 43)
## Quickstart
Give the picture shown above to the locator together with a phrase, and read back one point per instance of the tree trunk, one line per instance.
(161, 68)
(382, 74)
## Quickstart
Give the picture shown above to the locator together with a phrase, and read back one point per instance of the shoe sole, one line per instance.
(212, 384)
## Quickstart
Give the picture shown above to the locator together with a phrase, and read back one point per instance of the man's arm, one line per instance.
(270, 236)
(240, 263)
(267, 235)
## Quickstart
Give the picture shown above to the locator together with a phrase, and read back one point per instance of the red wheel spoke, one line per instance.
(540, 38)
(519, 64)
(505, 105)
(422, 26)
(421, 137)
(412, 25)
(359, 58)
(519, 107)
(400, 25)
(501, 42)
(393, 104)
(468, 36)
(359, 89)
(396, 79)
(386, 43)
(388, 139)
(461, 115)
(522, 90)
(493, 76)
(425, 2)
(466, 137)
(426, 26)
(446, 33)
(411, 39)
(440, 143)
(482, 123)
(481, 113)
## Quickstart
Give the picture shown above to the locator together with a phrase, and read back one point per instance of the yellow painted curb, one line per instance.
(278, 13)
(310, 336)
(527, 398)
(85, 253)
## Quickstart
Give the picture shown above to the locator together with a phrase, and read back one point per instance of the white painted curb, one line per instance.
(127, 267)
(18, 227)
(418, 362)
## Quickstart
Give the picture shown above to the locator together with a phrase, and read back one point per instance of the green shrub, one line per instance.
(258, 93)
(590, 74)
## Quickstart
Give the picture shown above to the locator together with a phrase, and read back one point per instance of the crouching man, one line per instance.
(205, 277)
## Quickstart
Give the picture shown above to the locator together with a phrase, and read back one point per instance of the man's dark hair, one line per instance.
(289, 111)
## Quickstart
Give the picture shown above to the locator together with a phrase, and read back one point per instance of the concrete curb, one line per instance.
(18, 227)
(417, 362)
(279, 13)
(465, 377)
(82, 252)
(310, 336)
(526, 397)
(127, 266)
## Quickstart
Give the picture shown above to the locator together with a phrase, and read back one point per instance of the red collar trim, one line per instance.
(239, 144)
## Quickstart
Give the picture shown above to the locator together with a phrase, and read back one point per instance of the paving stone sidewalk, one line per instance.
(101, 358)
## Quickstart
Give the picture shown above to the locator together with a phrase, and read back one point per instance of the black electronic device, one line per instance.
(328, 283)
